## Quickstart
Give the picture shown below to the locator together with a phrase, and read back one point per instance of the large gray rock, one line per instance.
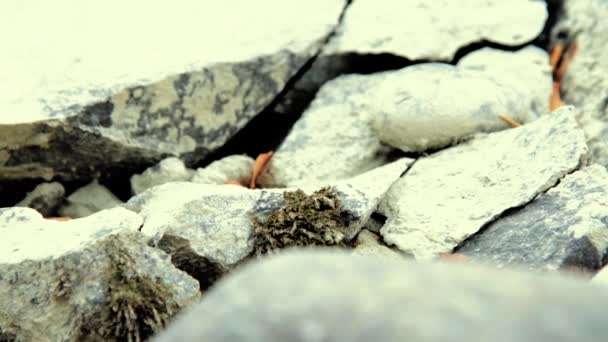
(306, 296)
(45, 198)
(564, 228)
(446, 197)
(584, 84)
(91, 278)
(197, 74)
(419, 29)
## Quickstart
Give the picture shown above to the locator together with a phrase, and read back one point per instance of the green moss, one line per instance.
(315, 220)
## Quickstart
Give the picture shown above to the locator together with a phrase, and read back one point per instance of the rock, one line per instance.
(601, 277)
(90, 278)
(561, 229)
(168, 170)
(45, 198)
(217, 219)
(231, 168)
(584, 84)
(352, 298)
(170, 96)
(88, 200)
(469, 185)
(434, 30)
(368, 245)
(430, 106)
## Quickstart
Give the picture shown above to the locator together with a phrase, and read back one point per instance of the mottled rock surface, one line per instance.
(435, 30)
(45, 198)
(564, 228)
(341, 297)
(88, 200)
(446, 197)
(168, 170)
(87, 278)
(183, 97)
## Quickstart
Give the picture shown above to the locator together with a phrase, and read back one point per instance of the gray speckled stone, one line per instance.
(585, 82)
(446, 197)
(55, 277)
(185, 79)
(168, 170)
(88, 200)
(231, 168)
(45, 198)
(562, 228)
(311, 296)
(419, 29)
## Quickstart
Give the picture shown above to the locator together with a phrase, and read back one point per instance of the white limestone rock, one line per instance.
(419, 29)
(88, 200)
(80, 279)
(180, 80)
(45, 198)
(446, 197)
(168, 170)
(231, 168)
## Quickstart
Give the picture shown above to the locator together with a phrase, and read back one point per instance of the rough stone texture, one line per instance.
(585, 84)
(231, 168)
(168, 170)
(446, 197)
(45, 198)
(347, 298)
(368, 245)
(564, 228)
(429, 106)
(216, 219)
(59, 280)
(183, 90)
(88, 200)
(419, 29)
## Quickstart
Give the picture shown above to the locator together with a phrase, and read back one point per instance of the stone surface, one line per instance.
(216, 219)
(181, 91)
(564, 228)
(88, 200)
(418, 29)
(584, 84)
(348, 298)
(430, 106)
(86, 278)
(45, 198)
(601, 277)
(368, 244)
(231, 168)
(168, 170)
(446, 197)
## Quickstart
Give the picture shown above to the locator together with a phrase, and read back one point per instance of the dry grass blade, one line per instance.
(556, 100)
(260, 162)
(508, 120)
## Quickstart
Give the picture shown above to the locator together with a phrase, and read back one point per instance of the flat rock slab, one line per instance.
(342, 298)
(81, 279)
(217, 219)
(418, 29)
(584, 84)
(196, 74)
(566, 227)
(446, 197)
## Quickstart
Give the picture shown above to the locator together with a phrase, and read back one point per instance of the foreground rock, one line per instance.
(45, 198)
(467, 186)
(418, 108)
(346, 298)
(216, 220)
(184, 97)
(585, 82)
(562, 229)
(92, 278)
(434, 30)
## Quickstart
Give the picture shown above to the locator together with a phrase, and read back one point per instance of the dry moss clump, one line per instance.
(315, 220)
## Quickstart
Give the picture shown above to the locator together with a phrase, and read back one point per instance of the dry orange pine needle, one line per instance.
(233, 182)
(260, 162)
(556, 100)
(566, 60)
(556, 54)
(64, 218)
(452, 257)
(508, 120)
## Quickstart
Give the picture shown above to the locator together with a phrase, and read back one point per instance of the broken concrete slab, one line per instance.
(584, 84)
(168, 170)
(469, 185)
(88, 200)
(341, 297)
(230, 168)
(87, 278)
(565, 228)
(426, 30)
(45, 198)
(185, 97)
